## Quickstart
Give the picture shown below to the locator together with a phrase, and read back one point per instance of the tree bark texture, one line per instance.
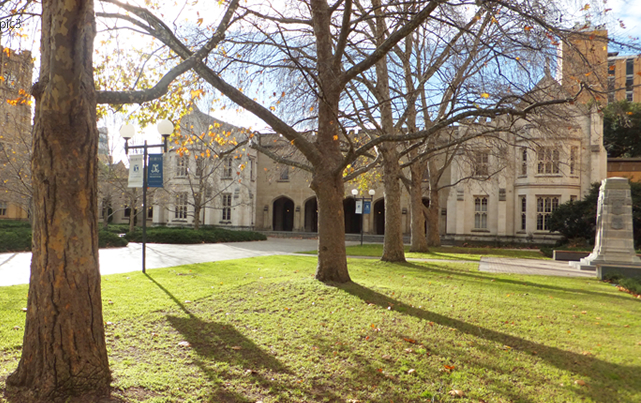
(419, 241)
(433, 219)
(393, 250)
(332, 258)
(433, 211)
(64, 352)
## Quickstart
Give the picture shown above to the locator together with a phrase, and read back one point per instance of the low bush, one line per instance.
(631, 284)
(18, 239)
(14, 224)
(15, 239)
(191, 236)
(547, 251)
(107, 239)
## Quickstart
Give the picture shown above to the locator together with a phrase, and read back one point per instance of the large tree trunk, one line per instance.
(433, 213)
(64, 351)
(332, 259)
(393, 250)
(433, 220)
(419, 241)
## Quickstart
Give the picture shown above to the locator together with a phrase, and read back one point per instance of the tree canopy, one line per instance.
(622, 129)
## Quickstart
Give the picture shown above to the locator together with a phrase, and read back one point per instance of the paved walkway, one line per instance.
(15, 267)
(531, 266)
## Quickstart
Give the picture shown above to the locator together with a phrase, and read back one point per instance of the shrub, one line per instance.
(107, 239)
(191, 236)
(18, 239)
(577, 219)
(547, 251)
(14, 224)
(15, 239)
(632, 284)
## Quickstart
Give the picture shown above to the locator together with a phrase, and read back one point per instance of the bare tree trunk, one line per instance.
(393, 250)
(105, 212)
(332, 259)
(432, 216)
(197, 210)
(419, 241)
(64, 351)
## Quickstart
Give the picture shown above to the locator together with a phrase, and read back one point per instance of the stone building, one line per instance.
(201, 180)
(15, 133)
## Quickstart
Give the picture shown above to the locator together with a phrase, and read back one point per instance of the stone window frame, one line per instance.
(180, 206)
(480, 212)
(548, 161)
(226, 206)
(545, 205)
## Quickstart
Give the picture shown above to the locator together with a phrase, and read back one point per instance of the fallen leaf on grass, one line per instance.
(409, 350)
(184, 344)
(24, 309)
(409, 340)
(387, 357)
(236, 348)
(579, 382)
(411, 371)
(586, 353)
(457, 393)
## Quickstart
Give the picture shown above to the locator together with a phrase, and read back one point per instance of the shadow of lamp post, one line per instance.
(165, 128)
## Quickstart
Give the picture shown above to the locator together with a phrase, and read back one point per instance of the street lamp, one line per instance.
(371, 192)
(165, 128)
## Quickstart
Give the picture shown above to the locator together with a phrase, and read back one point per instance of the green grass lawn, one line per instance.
(263, 329)
(446, 253)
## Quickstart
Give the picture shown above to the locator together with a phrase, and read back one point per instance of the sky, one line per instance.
(622, 13)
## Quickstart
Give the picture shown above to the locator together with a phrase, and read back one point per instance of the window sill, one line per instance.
(224, 222)
(548, 175)
(481, 230)
(283, 180)
(521, 233)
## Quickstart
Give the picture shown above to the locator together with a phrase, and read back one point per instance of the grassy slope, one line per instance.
(263, 329)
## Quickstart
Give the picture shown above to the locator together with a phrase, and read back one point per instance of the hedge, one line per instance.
(191, 236)
(18, 239)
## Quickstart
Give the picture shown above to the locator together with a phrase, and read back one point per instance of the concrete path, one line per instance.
(15, 267)
(531, 266)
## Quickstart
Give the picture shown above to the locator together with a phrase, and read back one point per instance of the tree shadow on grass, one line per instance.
(215, 342)
(429, 267)
(598, 370)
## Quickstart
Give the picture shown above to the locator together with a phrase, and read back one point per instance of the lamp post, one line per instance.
(165, 128)
(371, 192)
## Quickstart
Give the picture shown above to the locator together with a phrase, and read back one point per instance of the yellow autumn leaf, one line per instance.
(485, 95)
(335, 137)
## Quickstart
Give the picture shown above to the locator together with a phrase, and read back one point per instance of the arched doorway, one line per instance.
(352, 220)
(379, 217)
(311, 215)
(283, 218)
(426, 203)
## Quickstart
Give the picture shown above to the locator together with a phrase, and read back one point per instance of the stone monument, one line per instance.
(614, 242)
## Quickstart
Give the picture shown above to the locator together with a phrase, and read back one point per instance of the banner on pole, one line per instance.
(367, 207)
(359, 207)
(154, 171)
(135, 171)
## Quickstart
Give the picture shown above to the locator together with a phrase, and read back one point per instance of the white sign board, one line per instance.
(359, 207)
(135, 171)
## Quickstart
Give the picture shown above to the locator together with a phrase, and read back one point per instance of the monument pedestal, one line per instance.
(614, 242)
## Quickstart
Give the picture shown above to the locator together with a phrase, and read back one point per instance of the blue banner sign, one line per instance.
(154, 171)
(367, 207)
